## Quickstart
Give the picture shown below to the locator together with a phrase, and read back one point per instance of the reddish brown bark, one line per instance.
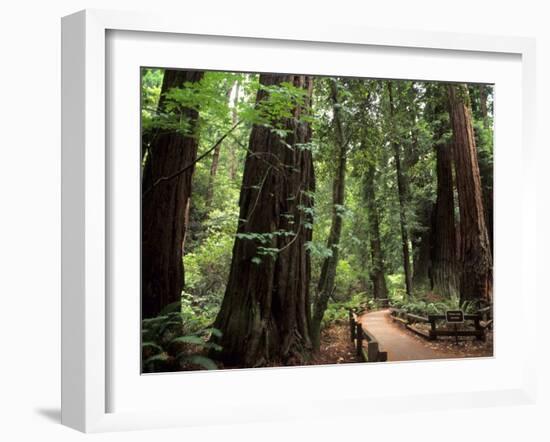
(475, 249)
(264, 317)
(444, 256)
(164, 206)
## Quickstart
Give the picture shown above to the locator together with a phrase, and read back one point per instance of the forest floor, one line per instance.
(403, 345)
(336, 347)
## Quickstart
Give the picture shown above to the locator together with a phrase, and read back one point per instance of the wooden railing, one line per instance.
(486, 314)
(361, 336)
(408, 319)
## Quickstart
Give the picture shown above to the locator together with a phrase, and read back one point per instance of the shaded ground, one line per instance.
(403, 345)
(336, 346)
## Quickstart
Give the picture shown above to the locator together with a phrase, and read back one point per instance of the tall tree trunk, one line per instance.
(485, 166)
(420, 237)
(479, 95)
(377, 273)
(475, 249)
(165, 206)
(444, 256)
(325, 287)
(422, 244)
(264, 317)
(403, 196)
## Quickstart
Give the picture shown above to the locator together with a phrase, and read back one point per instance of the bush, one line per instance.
(424, 307)
(396, 287)
(167, 345)
(338, 311)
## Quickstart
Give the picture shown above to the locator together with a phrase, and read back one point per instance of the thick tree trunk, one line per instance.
(444, 256)
(475, 250)
(164, 206)
(325, 287)
(264, 317)
(403, 196)
(377, 273)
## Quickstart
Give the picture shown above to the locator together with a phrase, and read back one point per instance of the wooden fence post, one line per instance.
(359, 335)
(373, 351)
(480, 332)
(432, 329)
(351, 325)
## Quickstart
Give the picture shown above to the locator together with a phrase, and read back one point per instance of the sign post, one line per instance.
(454, 317)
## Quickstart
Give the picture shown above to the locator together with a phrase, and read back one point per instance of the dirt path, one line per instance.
(400, 344)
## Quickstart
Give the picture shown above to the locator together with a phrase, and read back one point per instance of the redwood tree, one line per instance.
(328, 269)
(444, 256)
(402, 189)
(264, 318)
(475, 249)
(377, 273)
(444, 259)
(165, 202)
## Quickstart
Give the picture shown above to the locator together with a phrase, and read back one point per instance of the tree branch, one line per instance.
(188, 166)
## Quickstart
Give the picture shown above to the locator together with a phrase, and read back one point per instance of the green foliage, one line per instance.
(207, 269)
(151, 80)
(199, 360)
(419, 124)
(279, 102)
(167, 346)
(426, 306)
(338, 311)
(396, 287)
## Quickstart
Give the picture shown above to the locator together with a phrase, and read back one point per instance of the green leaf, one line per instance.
(214, 331)
(166, 325)
(174, 307)
(154, 320)
(213, 346)
(152, 345)
(161, 357)
(189, 340)
(203, 361)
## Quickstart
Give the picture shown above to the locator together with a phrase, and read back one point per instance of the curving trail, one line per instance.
(400, 344)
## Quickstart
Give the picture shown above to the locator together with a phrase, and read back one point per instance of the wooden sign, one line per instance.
(454, 316)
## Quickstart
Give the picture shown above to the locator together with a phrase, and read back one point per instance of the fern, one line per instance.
(203, 361)
(161, 357)
(191, 339)
(152, 345)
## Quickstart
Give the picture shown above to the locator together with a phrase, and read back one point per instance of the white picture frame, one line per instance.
(87, 351)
